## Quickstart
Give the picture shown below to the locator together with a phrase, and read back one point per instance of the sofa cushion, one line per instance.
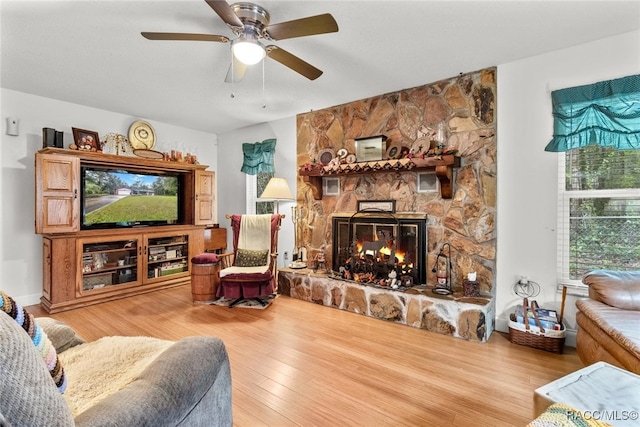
(61, 335)
(205, 258)
(101, 368)
(620, 326)
(615, 288)
(251, 258)
(39, 338)
(28, 396)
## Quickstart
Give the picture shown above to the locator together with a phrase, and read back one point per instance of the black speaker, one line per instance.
(59, 139)
(48, 137)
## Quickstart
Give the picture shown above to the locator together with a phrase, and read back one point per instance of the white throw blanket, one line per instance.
(255, 232)
(100, 368)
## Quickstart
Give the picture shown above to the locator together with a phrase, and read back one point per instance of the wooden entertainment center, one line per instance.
(88, 266)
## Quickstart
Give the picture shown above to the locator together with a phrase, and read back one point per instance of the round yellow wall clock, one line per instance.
(142, 135)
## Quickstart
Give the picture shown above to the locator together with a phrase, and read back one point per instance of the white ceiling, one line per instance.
(92, 53)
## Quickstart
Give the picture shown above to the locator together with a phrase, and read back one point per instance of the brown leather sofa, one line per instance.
(609, 320)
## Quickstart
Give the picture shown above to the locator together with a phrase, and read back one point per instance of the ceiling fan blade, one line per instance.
(296, 64)
(319, 24)
(236, 71)
(185, 36)
(224, 11)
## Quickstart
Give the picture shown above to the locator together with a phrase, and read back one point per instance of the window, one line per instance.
(599, 211)
(255, 186)
(262, 179)
(596, 130)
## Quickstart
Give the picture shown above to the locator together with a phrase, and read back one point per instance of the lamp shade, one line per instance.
(248, 50)
(277, 189)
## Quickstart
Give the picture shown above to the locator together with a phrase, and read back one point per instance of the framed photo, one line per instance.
(86, 139)
(330, 186)
(371, 148)
(377, 205)
(427, 182)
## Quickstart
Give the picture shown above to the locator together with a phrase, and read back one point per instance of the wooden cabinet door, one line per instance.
(205, 199)
(166, 256)
(57, 193)
(108, 264)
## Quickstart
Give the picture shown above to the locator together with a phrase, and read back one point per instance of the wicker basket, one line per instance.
(547, 339)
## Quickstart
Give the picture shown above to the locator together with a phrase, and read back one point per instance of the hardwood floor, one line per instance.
(301, 364)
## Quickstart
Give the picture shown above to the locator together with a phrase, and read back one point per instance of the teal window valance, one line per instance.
(258, 157)
(605, 113)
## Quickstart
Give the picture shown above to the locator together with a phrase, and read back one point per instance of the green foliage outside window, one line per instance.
(262, 179)
(604, 219)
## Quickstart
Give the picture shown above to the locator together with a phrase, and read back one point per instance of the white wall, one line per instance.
(21, 248)
(231, 182)
(527, 175)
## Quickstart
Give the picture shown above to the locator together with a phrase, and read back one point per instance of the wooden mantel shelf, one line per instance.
(443, 165)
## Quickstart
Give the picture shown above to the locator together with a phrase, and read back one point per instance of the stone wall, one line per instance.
(465, 107)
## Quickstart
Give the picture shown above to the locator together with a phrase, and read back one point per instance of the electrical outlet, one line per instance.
(286, 255)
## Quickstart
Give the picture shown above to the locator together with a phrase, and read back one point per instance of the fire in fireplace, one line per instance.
(380, 248)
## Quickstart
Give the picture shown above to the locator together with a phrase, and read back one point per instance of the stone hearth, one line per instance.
(455, 315)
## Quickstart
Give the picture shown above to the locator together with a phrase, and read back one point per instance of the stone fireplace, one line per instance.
(463, 108)
(376, 247)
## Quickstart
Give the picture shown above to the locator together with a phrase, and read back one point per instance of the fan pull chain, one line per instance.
(233, 77)
(264, 97)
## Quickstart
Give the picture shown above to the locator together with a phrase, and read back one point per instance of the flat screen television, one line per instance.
(114, 198)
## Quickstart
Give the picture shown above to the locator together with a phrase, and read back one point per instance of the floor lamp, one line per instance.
(277, 189)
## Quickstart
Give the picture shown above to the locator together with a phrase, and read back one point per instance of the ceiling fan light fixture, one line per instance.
(248, 50)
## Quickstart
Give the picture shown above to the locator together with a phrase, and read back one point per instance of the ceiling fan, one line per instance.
(250, 24)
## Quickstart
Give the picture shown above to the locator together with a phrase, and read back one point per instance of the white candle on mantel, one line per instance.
(471, 277)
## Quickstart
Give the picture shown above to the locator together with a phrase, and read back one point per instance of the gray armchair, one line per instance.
(187, 384)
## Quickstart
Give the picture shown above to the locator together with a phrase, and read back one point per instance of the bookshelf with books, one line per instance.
(116, 263)
(167, 256)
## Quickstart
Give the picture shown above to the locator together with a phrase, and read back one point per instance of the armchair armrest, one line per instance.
(273, 263)
(188, 384)
(226, 260)
(615, 288)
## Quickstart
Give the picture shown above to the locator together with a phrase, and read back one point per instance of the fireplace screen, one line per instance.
(378, 247)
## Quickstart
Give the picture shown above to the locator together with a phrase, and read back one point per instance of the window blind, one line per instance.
(598, 211)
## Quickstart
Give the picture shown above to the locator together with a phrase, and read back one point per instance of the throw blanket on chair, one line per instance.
(255, 232)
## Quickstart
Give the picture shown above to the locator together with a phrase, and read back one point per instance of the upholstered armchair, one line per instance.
(113, 381)
(249, 272)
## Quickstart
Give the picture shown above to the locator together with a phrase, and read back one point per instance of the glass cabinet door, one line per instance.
(106, 264)
(167, 255)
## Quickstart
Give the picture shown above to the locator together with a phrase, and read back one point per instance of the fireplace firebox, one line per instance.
(381, 248)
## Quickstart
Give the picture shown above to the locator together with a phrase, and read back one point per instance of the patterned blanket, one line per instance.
(560, 415)
(38, 336)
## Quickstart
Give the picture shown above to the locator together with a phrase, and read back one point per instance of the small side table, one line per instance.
(601, 391)
(215, 240)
